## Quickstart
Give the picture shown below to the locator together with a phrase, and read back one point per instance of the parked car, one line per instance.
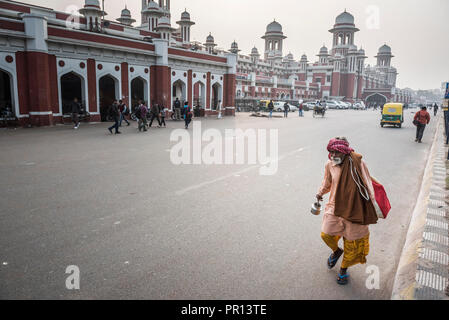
(359, 106)
(332, 105)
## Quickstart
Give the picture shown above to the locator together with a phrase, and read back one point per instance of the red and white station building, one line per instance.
(47, 58)
(340, 74)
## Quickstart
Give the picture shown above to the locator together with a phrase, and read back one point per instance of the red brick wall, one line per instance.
(92, 85)
(125, 84)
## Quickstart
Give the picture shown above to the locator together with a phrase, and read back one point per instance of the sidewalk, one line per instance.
(423, 272)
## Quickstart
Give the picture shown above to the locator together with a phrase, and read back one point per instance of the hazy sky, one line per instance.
(417, 30)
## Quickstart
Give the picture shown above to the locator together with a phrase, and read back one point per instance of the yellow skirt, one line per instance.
(355, 252)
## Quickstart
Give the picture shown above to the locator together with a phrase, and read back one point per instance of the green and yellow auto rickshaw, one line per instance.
(392, 114)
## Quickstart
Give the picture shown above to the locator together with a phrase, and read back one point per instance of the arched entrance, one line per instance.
(108, 92)
(216, 95)
(376, 100)
(199, 95)
(179, 91)
(7, 108)
(139, 91)
(71, 87)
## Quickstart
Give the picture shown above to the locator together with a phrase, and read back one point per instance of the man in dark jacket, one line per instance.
(154, 112)
(423, 118)
(115, 114)
(286, 108)
(271, 108)
(75, 110)
(123, 108)
(177, 107)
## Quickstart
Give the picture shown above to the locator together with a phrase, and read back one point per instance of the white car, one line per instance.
(341, 105)
(332, 105)
(359, 106)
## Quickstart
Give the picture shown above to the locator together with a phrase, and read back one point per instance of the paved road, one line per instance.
(139, 227)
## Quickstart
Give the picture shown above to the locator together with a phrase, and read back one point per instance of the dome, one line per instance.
(254, 51)
(185, 15)
(304, 57)
(290, 56)
(345, 18)
(234, 45)
(153, 6)
(274, 27)
(92, 3)
(324, 50)
(361, 51)
(385, 49)
(164, 22)
(126, 12)
(210, 39)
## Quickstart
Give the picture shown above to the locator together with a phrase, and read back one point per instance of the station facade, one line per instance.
(47, 58)
(338, 74)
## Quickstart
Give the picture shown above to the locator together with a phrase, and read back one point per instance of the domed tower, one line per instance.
(274, 38)
(164, 28)
(255, 56)
(210, 44)
(384, 56)
(234, 48)
(126, 18)
(303, 63)
(93, 14)
(185, 24)
(323, 55)
(343, 31)
(151, 13)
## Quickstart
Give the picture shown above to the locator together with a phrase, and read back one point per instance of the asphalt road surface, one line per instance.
(139, 227)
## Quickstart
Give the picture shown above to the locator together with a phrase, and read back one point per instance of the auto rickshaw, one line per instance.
(392, 114)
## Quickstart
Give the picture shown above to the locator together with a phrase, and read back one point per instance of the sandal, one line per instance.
(343, 279)
(331, 262)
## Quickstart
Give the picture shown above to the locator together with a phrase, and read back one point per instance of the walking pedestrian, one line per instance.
(155, 113)
(435, 109)
(271, 108)
(141, 114)
(301, 109)
(350, 209)
(124, 111)
(163, 114)
(187, 115)
(422, 118)
(115, 114)
(286, 107)
(76, 109)
(177, 108)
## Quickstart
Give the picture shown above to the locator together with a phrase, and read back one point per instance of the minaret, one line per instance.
(234, 48)
(210, 44)
(151, 15)
(274, 38)
(344, 31)
(126, 18)
(185, 24)
(323, 55)
(93, 14)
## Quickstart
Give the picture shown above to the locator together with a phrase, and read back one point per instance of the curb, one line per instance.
(422, 272)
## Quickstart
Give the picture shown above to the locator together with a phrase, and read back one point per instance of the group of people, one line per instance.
(159, 113)
(270, 107)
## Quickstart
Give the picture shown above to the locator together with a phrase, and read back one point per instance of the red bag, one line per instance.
(382, 203)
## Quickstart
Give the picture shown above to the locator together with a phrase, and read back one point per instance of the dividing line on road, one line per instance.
(206, 183)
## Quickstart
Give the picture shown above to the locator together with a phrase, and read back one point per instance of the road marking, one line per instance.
(437, 224)
(431, 280)
(435, 237)
(434, 256)
(238, 173)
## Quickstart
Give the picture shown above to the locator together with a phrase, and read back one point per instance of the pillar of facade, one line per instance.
(189, 88)
(125, 84)
(159, 74)
(208, 90)
(92, 90)
(38, 70)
